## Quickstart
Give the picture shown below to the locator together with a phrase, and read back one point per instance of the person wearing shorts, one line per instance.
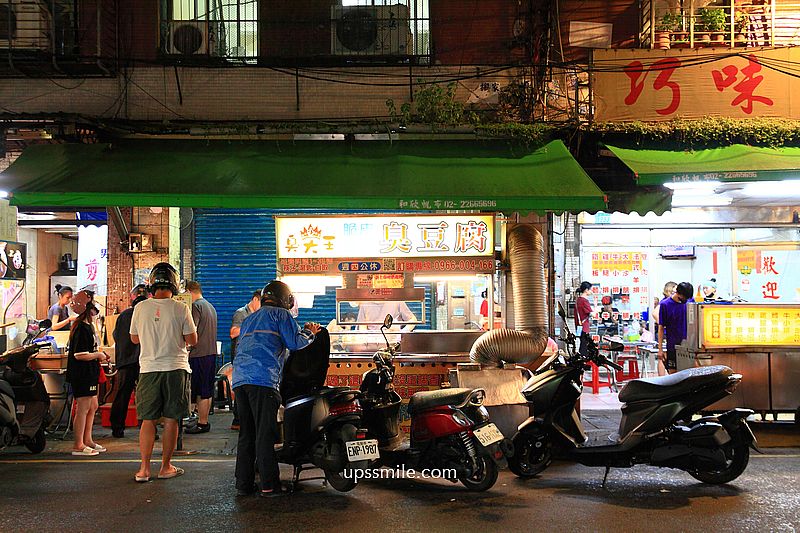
(202, 356)
(162, 327)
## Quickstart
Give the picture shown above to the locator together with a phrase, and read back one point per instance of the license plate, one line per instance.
(488, 434)
(360, 450)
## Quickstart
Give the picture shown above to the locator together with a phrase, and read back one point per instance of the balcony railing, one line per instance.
(729, 24)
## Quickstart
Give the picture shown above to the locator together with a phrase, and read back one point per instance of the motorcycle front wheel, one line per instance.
(531, 456)
(484, 477)
(339, 481)
(738, 457)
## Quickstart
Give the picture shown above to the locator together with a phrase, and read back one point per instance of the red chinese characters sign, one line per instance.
(658, 84)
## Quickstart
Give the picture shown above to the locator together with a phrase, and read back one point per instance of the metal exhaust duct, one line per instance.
(528, 340)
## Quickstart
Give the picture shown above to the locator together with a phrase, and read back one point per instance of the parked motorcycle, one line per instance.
(656, 428)
(24, 402)
(450, 428)
(322, 425)
(35, 330)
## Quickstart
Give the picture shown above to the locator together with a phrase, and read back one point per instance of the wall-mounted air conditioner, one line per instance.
(370, 30)
(195, 37)
(24, 25)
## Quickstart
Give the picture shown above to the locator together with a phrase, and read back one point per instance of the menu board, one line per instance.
(740, 326)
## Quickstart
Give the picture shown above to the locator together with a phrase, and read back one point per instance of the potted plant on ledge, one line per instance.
(742, 21)
(667, 24)
(713, 21)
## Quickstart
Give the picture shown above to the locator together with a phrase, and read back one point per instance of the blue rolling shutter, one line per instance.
(234, 255)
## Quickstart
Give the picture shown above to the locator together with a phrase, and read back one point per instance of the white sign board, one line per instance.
(93, 258)
(385, 236)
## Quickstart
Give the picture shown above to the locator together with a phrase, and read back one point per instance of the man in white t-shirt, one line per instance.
(162, 327)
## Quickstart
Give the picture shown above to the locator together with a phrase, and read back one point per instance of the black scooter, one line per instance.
(656, 427)
(322, 426)
(24, 402)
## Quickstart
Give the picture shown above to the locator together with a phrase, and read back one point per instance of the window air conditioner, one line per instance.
(196, 37)
(24, 25)
(370, 30)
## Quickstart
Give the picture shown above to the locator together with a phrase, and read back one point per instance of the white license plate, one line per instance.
(360, 450)
(488, 434)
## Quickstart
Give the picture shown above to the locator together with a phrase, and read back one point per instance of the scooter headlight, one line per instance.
(461, 419)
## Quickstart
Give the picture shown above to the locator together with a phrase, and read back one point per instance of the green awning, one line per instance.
(304, 174)
(737, 162)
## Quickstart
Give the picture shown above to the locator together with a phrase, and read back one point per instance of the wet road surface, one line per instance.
(51, 492)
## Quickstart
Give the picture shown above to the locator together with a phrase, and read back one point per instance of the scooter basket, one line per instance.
(383, 422)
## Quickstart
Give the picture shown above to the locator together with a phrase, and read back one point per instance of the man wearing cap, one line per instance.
(126, 356)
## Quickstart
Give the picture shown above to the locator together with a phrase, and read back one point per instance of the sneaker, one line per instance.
(199, 428)
(247, 491)
(274, 493)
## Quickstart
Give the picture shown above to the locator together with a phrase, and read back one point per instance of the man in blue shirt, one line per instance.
(672, 324)
(265, 339)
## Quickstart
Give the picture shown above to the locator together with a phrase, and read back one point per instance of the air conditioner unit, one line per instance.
(370, 30)
(196, 37)
(24, 25)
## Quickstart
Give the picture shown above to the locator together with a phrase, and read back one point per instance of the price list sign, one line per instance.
(734, 326)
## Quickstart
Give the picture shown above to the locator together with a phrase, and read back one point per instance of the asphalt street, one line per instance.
(51, 492)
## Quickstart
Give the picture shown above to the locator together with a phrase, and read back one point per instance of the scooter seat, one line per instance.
(682, 382)
(437, 398)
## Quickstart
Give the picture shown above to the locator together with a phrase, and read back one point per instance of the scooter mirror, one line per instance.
(45, 324)
(388, 321)
(561, 312)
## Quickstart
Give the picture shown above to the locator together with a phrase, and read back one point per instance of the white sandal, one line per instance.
(86, 452)
(100, 448)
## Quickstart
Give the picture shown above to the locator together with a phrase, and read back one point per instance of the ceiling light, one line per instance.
(778, 189)
(704, 186)
(686, 200)
(3, 194)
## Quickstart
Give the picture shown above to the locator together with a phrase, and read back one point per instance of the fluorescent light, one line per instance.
(778, 189)
(713, 200)
(707, 186)
(3, 194)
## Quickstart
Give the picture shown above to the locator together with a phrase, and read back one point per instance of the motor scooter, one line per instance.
(24, 402)
(657, 426)
(450, 428)
(322, 426)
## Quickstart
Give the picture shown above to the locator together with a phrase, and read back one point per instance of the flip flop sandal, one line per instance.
(100, 448)
(86, 452)
(178, 472)
(141, 479)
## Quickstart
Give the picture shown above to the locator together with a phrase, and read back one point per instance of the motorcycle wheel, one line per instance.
(529, 459)
(738, 457)
(38, 443)
(339, 482)
(484, 478)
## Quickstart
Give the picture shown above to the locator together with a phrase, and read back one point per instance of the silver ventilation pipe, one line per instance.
(529, 338)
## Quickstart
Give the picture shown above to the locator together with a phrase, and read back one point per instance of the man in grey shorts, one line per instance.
(162, 327)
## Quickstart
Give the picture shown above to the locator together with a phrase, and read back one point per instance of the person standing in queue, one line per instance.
(59, 311)
(672, 324)
(265, 339)
(127, 362)
(236, 324)
(583, 311)
(163, 327)
(83, 373)
(202, 356)
(669, 290)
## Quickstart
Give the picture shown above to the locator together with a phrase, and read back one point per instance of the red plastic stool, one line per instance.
(630, 367)
(595, 383)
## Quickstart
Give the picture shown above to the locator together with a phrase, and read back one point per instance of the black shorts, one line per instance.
(672, 360)
(204, 370)
(82, 389)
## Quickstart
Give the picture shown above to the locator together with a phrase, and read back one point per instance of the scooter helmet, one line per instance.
(163, 276)
(279, 294)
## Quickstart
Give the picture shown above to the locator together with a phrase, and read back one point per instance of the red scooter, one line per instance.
(450, 428)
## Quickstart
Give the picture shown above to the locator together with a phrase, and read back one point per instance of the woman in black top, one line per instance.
(83, 373)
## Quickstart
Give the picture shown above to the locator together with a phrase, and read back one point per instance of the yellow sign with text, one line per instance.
(740, 326)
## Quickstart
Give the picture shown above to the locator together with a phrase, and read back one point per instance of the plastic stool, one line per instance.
(629, 370)
(595, 383)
